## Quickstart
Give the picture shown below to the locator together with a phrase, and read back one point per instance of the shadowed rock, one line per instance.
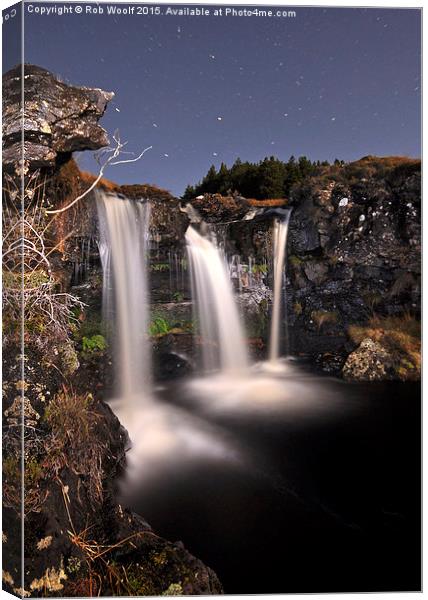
(58, 118)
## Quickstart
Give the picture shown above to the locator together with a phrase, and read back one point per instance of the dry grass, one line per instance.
(386, 162)
(401, 336)
(35, 494)
(324, 317)
(267, 202)
(107, 185)
(74, 442)
(100, 568)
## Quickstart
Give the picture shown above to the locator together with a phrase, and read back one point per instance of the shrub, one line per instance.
(95, 343)
(261, 269)
(160, 267)
(73, 441)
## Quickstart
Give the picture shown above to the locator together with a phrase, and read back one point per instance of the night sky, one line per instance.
(329, 83)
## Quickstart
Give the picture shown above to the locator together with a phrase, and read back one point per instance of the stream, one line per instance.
(314, 490)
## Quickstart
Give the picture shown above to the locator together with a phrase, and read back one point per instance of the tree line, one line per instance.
(269, 178)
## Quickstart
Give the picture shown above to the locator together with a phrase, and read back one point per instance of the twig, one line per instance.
(116, 153)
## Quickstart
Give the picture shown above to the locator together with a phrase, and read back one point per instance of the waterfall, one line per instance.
(219, 323)
(123, 247)
(280, 231)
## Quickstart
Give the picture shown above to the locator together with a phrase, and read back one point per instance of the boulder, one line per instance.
(369, 362)
(58, 118)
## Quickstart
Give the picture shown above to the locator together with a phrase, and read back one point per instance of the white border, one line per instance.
(398, 4)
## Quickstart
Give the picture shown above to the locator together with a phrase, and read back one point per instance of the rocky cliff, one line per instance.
(78, 540)
(58, 118)
(354, 252)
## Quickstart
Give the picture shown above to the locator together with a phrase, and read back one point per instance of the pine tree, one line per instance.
(271, 173)
(210, 181)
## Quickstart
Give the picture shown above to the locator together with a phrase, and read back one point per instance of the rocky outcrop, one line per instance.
(369, 362)
(215, 208)
(74, 529)
(58, 118)
(78, 540)
(168, 222)
(354, 248)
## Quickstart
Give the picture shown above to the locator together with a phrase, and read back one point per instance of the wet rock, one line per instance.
(68, 517)
(59, 119)
(369, 362)
(368, 245)
(330, 362)
(303, 231)
(215, 208)
(171, 366)
(316, 272)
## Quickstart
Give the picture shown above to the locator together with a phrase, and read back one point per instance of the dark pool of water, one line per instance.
(326, 500)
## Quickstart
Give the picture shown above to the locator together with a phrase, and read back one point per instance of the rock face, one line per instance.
(369, 362)
(78, 540)
(354, 249)
(168, 223)
(58, 118)
(215, 208)
(71, 509)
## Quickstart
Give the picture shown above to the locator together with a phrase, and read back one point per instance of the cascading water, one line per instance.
(123, 247)
(161, 435)
(220, 327)
(280, 232)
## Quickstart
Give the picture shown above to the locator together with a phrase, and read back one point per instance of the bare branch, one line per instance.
(110, 161)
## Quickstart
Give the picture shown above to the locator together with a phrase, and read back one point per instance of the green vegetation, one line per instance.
(269, 178)
(295, 261)
(174, 589)
(159, 326)
(160, 267)
(33, 279)
(272, 178)
(95, 343)
(261, 269)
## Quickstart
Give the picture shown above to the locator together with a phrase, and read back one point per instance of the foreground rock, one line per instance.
(58, 119)
(369, 362)
(78, 540)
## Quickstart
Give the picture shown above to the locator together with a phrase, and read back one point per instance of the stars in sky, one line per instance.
(330, 83)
